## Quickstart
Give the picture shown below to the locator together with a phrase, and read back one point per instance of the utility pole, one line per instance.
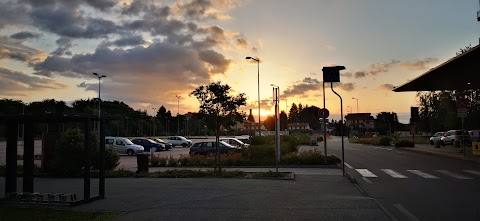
(178, 112)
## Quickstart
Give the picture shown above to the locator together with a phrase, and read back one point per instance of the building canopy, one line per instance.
(459, 73)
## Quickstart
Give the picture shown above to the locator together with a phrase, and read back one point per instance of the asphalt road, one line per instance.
(413, 186)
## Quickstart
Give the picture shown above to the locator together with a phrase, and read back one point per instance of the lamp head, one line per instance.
(248, 57)
(95, 74)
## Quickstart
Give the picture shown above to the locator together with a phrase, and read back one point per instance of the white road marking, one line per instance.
(394, 173)
(366, 180)
(348, 165)
(454, 175)
(472, 172)
(406, 212)
(366, 173)
(423, 174)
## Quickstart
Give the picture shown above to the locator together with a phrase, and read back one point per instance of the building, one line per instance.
(298, 126)
(362, 121)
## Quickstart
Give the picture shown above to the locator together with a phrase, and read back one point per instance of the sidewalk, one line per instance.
(322, 195)
(444, 151)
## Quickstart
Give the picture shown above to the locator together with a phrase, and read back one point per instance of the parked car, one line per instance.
(450, 136)
(167, 145)
(179, 141)
(474, 135)
(207, 147)
(235, 142)
(123, 145)
(436, 137)
(147, 144)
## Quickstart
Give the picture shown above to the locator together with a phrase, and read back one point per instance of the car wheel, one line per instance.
(184, 145)
(431, 142)
(130, 152)
(442, 143)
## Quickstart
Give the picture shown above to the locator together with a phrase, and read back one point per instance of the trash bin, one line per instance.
(142, 163)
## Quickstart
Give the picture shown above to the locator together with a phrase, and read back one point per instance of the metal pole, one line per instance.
(275, 99)
(178, 112)
(463, 137)
(341, 127)
(258, 77)
(154, 109)
(324, 126)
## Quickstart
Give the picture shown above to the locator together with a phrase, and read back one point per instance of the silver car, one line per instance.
(436, 137)
(123, 145)
(450, 136)
(235, 142)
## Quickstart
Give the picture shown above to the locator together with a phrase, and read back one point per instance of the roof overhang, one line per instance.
(459, 73)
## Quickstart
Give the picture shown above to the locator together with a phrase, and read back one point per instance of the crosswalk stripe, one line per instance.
(366, 173)
(454, 175)
(348, 165)
(394, 173)
(423, 174)
(472, 172)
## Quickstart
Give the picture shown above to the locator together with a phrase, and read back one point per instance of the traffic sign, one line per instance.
(462, 112)
(323, 113)
(476, 148)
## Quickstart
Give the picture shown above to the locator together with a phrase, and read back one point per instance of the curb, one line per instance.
(438, 154)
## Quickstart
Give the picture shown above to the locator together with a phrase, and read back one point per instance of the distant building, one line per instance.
(360, 121)
(298, 126)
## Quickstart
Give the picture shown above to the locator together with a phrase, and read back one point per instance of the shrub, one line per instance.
(263, 140)
(311, 157)
(331, 160)
(404, 143)
(184, 161)
(158, 161)
(289, 159)
(172, 162)
(69, 152)
(112, 159)
(319, 139)
(384, 141)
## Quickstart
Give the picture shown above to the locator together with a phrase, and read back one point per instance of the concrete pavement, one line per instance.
(323, 195)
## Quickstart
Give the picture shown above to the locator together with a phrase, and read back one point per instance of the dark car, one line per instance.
(168, 145)
(208, 147)
(147, 144)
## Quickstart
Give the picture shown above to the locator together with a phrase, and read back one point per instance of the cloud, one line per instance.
(15, 50)
(345, 86)
(17, 83)
(387, 87)
(419, 64)
(24, 35)
(132, 40)
(346, 74)
(381, 67)
(302, 88)
(360, 74)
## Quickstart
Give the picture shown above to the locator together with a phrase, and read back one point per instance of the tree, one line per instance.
(283, 121)
(386, 122)
(269, 123)
(221, 107)
(293, 114)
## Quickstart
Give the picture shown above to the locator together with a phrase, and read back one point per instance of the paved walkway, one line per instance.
(308, 197)
(444, 151)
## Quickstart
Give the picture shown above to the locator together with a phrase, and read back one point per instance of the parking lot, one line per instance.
(126, 162)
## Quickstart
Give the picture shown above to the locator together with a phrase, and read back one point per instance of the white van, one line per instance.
(475, 135)
(123, 145)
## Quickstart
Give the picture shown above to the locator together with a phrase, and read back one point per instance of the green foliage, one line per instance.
(69, 153)
(158, 161)
(172, 162)
(384, 141)
(404, 143)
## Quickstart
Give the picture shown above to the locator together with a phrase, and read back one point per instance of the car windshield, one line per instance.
(150, 141)
(160, 140)
(127, 141)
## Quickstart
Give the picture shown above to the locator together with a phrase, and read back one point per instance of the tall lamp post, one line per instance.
(258, 84)
(178, 112)
(286, 104)
(357, 103)
(276, 100)
(99, 101)
(154, 116)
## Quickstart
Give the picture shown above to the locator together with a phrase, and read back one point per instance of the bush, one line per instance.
(311, 157)
(384, 141)
(172, 162)
(404, 143)
(319, 139)
(263, 140)
(68, 157)
(158, 161)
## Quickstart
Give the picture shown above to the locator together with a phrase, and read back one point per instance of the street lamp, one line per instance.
(277, 124)
(258, 84)
(357, 103)
(154, 109)
(178, 111)
(99, 101)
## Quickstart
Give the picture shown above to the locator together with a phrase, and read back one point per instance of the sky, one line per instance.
(153, 51)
